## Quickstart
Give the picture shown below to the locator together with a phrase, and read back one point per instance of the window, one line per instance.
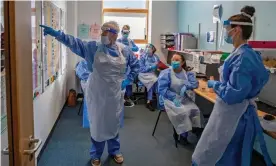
(133, 13)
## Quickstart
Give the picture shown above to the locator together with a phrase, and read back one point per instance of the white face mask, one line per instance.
(105, 40)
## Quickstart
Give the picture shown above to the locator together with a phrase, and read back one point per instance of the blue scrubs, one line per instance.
(145, 67)
(134, 48)
(244, 77)
(87, 51)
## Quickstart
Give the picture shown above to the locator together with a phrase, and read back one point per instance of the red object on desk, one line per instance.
(162, 66)
(263, 44)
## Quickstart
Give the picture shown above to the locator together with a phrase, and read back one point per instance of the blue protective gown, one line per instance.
(164, 83)
(87, 51)
(82, 70)
(146, 61)
(83, 73)
(128, 42)
(244, 75)
(134, 48)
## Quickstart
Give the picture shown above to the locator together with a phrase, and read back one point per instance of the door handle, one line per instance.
(37, 143)
(5, 151)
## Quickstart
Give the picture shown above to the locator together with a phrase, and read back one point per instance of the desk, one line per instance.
(212, 98)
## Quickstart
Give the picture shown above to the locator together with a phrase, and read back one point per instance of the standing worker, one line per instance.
(147, 75)
(128, 42)
(230, 133)
(105, 84)
(173, 83)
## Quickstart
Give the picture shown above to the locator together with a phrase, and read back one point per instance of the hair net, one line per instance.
(112, 24)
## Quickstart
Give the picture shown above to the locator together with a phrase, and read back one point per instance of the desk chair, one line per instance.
(175, 135)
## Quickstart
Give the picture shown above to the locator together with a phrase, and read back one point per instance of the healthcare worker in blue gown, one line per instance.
(174, 83)
(147, 75)
(82, 73)
(130, 43)
(104, 92)
(230, 133)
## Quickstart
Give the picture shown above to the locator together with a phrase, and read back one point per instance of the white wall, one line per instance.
(164, 19)
(89, 12)
(48, 105)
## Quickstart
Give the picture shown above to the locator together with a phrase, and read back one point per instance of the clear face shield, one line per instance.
(149, 49)
(108, 34)
(226, 29)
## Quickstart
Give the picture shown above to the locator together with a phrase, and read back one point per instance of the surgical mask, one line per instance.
(227, 38)
(125, 35)
(148, 51)
(105, 40)
(175, 64)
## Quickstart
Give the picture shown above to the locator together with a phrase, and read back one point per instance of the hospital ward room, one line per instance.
(138, 83)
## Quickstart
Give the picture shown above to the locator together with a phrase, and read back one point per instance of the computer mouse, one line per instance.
(269, 117)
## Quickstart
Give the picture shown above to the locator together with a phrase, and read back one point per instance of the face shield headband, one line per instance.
(114, 31)
(228, 23)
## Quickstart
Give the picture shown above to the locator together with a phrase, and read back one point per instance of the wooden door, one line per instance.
(18, 68)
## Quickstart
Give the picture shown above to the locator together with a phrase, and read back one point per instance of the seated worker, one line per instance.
(147, 74)
(173, 83)
(128, 42)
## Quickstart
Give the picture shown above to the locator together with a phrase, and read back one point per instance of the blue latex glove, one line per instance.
(154, 67)
(211, 83)
(50, 31)
(183, 90)
(125, 83)
(176, 102)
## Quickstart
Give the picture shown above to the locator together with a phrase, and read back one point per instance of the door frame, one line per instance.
(7, 29)
(19, 81)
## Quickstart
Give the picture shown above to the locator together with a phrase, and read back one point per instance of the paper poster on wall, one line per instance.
(95, 32)
(51, 47)
(211, 37)
(63, 48)
(36, 49)
(83, 31)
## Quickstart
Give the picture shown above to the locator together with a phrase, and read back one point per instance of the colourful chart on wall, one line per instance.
(63, 47)
(36, 48)
(95, 32)
(51, 47)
